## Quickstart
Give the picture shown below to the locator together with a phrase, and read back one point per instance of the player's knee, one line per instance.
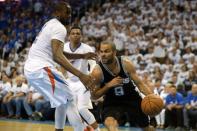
(77, 125)
(110, 121)
(75, 120)
(60, 117)
(61, 108)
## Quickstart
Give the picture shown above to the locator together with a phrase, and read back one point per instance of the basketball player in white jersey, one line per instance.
(82, 96)
(40, 71)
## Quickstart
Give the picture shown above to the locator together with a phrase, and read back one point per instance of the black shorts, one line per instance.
(123, 114)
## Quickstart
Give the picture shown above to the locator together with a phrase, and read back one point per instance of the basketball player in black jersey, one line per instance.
(119, 84)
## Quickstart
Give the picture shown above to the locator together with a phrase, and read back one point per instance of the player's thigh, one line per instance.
(116, 112)
(137, 116)
(83, 100)
(52, 86)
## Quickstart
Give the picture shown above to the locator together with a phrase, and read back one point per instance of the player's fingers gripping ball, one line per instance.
(152, 105)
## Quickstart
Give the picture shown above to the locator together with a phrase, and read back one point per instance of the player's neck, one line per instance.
(74, 46)
(111, 66)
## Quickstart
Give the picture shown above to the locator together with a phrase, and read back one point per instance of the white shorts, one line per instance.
(81, 94)
(51, 84)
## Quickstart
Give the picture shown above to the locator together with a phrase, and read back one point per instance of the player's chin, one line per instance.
(104, 61)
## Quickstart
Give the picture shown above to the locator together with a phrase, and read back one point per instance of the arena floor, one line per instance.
(26, 125)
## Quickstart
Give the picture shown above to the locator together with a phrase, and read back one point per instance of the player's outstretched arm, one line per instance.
(89, 55)
(58, 56)
(133, 75)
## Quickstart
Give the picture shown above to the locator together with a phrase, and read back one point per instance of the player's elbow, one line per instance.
(56, 59)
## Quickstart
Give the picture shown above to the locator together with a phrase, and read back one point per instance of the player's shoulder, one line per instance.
(55, 24)
(66, 44)
(97, 71)
(86, 46)
(127, 64)
(125, 60)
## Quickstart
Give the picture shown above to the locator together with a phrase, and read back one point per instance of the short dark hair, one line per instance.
(109, 43)
(62, 5)
(75, 26)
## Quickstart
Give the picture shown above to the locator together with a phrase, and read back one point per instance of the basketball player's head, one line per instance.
(107, 51)
(62, 11)
(75, 34)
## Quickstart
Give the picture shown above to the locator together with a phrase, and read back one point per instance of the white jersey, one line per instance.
(40, 54)
(82, 96)
(80, 64)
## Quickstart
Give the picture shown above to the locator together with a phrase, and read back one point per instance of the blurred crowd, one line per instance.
(158, 36)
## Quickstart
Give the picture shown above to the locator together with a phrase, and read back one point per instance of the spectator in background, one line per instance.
(14, 73)
(3, 39)
(158, 87)
(181, 89)
(6, 67)
(5, 86)
(183, 73)
(191, 107)
(38, 7)
(174, 80)
(160, 118)
(192, 79)
(174, 109)
(15, 97)
(34, 100)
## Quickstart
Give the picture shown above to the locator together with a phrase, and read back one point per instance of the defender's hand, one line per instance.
(90, 55)
(87, 80)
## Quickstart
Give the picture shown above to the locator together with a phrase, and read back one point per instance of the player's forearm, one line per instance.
(63, 61)
(144, 89)
(73, 55)
(100, 92)
(58, 56)
(139, 83)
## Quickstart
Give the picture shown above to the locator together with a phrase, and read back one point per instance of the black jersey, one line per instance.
(124, 94)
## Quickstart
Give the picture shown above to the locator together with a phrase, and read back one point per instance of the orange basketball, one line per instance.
(152, 105)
